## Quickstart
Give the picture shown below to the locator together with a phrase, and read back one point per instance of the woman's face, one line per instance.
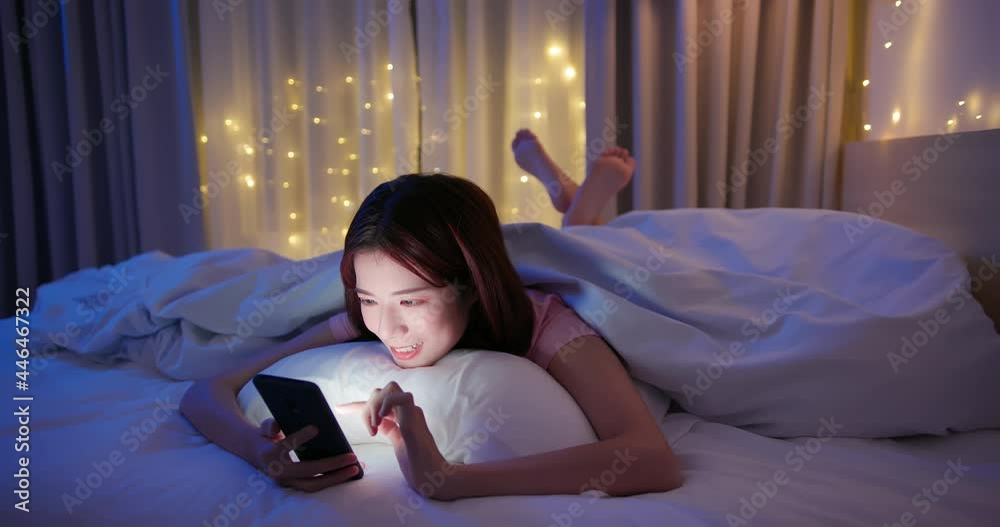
(403, 310)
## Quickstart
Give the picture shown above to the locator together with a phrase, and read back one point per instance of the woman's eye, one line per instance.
(366, 301)
(411, 303)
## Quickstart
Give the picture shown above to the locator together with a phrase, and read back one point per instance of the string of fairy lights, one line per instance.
(896, 115)
(557, 69)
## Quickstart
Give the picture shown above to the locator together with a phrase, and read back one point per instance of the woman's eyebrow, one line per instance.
(397, 293)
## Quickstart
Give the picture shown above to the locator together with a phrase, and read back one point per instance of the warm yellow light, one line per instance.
(365, 131)
(583, 104)
(348, 79)
(374, 170)
(204, 139)
(236, 128)
(248, 179)
(291, 81)
(569, 72)
(437, 169)
(343, 231)
(961, 103)
(285, 184)
(524, 179)
(951, 122)
(865, 83)
(514, 210)
(341, 140)
(368, 106)
(388, 67)
(295, 107)
(293, 239)
(324, 230)
(204, 188)
(887, 45)
(248, 149)
(538, 80)
(895, 116)
(315, 120)
(345, 172)
(293, 215)
(319, 89)
(291, 155)
(899, 3)
(537, 115)
(868, 127)
(329, 170)
(979, 116)
(347, 203)
(555, 51)
(333, 199)
(229, 122)
(390, 96)
(352, 157)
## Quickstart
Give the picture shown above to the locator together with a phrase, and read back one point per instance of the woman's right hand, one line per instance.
(271, 457)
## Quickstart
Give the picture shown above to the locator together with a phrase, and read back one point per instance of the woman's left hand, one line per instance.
(391, 411)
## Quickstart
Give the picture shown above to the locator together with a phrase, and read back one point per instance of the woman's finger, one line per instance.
(313, 468)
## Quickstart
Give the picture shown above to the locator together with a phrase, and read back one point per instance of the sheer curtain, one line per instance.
(306, 106)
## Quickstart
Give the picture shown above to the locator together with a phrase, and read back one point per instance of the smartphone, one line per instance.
(295, 403)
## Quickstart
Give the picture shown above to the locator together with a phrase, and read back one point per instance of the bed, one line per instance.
(109, 447)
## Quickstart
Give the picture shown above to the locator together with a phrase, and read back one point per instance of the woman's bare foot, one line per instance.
(531, 157)
(609, 173)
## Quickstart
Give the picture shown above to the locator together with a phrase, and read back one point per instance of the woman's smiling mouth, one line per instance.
(407, 352)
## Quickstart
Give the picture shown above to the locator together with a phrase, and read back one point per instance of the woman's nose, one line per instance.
(392, 325)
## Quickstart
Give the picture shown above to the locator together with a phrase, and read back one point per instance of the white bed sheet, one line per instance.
(171, 475)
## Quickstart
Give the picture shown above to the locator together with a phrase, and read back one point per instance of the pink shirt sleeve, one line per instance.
(556, 325)
(342, 329)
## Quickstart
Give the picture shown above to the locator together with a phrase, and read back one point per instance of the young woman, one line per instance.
(425, 271)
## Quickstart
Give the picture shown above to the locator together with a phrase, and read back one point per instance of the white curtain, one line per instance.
(306, 107)
(302, 111)
(738, 103)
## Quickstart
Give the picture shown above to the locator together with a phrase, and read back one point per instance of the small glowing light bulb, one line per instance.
(347, 203)
(368, 106)
(204, 139)
(524, 179)
(319, 89)
(374, 170)
(316, 120)
(537, 115)
(868, 127)
(899, 3)
(390, 96)
(348, 79)
(345, 172)
(352, 157)
(865, 83)
(538, 80)
(295, 106)
(895, 116)
(951, 122)
(341, 140)
(229, 122)
(291, 155)
(291, 81)
(388, 67)
(248, 179)
(293, 215)
(962, 102)
(979, 116)
(887, 45)
(285, 184)
(343, 231)
(329, 170)
(333, 199)
(248, 149)
(555, 51)
(569, 72)
(324, 230)
(293, 240)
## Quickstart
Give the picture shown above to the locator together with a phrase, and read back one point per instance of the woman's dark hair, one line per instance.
(444, 229)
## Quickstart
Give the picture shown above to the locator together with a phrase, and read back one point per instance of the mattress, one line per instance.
(109, 447)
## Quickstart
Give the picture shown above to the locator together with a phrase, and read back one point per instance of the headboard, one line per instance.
(946, 186)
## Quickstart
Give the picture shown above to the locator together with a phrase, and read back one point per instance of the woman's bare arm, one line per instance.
(211, 406)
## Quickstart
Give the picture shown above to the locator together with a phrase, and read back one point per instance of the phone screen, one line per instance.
(295, 403)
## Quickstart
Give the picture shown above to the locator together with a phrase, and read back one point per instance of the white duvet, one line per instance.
(768, 319)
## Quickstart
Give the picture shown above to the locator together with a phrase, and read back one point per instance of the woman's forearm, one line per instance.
(619, 467)
(212, 408)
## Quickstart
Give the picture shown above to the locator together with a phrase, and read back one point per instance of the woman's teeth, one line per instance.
(408, 348)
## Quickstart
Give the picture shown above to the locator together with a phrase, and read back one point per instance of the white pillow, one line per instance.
(480, 405)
